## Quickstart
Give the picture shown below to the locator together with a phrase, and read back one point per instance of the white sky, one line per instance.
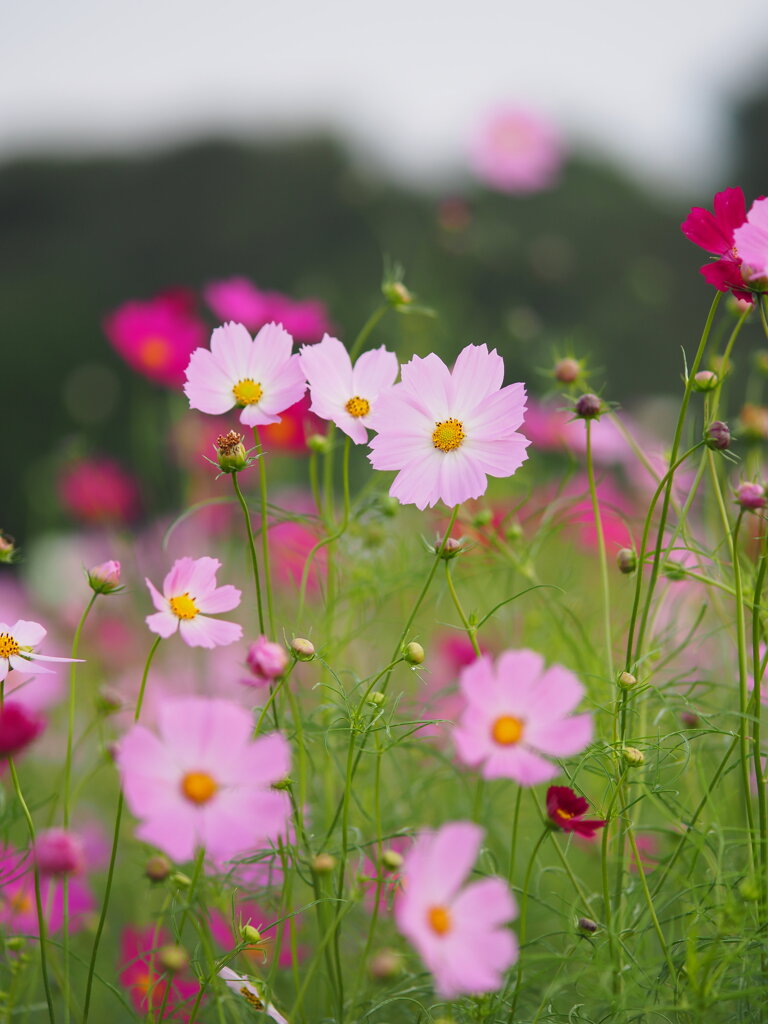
(646, 82)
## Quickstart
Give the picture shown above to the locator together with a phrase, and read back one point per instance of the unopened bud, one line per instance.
(588, 407)
(482, 518)
(385, 964)
(318, 443)
(230, 452)
(377, 698)
(586, 924)
(7, 548)
(158, 868)
(514, 531)
(389, 505)
(391, 860)
(108, 701)
(450, 549)
(266, 661)
(414, 653)
(718, 436)
(626, 560)
(105, 578)
(689, 719)
(323, 864)
(627, 680)
(705, 380)
(282, 784)
(180, 880)
(633, 757)
(250, 935)
(750, 496)
(396, 293)
(303, 649)
(15, 942)
(173, 958)
(567, 370)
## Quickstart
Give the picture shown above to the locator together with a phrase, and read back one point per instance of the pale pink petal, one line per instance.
(271, 351)
(200, 578)
(518, 675)
(28, 634)
(164, 624)
(267, 759)
(478, 680)
(498, 458)
(231, 346)
(560, 738)
(418, 483)
(498, 415)
(460, 478)
(328, 370)
(203, 631)
(515, 762)
(429, 382)
(175, 831)
(452, 852)
(207, 387)
(373, 372)
(5, 668)
(203, 728)
(177, 579)
(557, 693)
(476, 374)
(254, 416)
(160, 602)
(223, 599)
(352, 427)
(286, 392)
(483, 905)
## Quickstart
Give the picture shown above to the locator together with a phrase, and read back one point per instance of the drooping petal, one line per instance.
(203, 631)
(223, 599)
(164, 624)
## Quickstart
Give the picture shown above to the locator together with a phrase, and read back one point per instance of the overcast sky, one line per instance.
(647, 82)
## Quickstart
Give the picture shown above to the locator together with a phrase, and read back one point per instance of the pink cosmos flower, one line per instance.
(99, 491)
(17, 648)
(266, 661)
(344, 394)
(59, 852)
(190, 591)
(156, 337)
(515, 151)
(459, 930)
(751, 241)
(240, 300)
(141, 974)
(260, 376)
(516, 712)
(203, 781)
(19, 726)
(18, 910)
(447, 431)
(715, 232)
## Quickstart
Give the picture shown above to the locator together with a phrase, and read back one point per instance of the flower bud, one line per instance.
(567, 370)
(750, 496)
(705, 380)
(389, 505)
(633, 757)
(7, 549)
(18, 727)
(158, 868)
(267, 661)
(377, 698)
(282, 784)
(302, 648)
(482, 518)
(588, 407)
(250, 935)
(396, 293)
(391, 860)
(108, 700)
(385, 964)
(319, 444)
(514, 531)
(718, 436)
(739, 306)
(673, 571)
(586, 924)
(414, 653)
(105, 578)
(626, 560)
(450, 549)
(59, 852)
(323, 864)
(180, 880)
(230, 452)
(172, 958)
(627, 680)
(689, 719)
(15, 942)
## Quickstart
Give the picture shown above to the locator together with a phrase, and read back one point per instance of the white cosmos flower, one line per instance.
(17, 648)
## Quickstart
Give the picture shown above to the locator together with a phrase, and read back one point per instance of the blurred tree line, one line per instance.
(595, 267)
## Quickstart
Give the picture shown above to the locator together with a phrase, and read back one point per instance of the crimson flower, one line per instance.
(566, 811)
(714, 232)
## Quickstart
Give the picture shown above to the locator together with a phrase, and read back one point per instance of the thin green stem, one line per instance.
(252, 549)
(649, 902)
(607, 631)
(265, 529)
(743, 691)
(523, 921)
(366, 329)
(757, 675)
(471, 629)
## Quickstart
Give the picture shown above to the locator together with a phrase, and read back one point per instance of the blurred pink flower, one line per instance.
(260, 376)
(19, 726)
(266, 661)
(18, 911)
(459, 930)
(59, 852)
(516, 711)
(99, 491)
(516, 151)
(344, 394)
(156, 336)
(203, 781)
(715, 232)
(291, 542)
(751, 241)
(240, 300)
(190, 591)
(141, 974)
(446, 430)
(297, 423)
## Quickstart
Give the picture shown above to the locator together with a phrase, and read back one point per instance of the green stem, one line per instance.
(265, 529)
(252, 549)
(649, 902)
(743, 692)
(366, 329)
(757, 669)
(523, 921)
(471, 630)
(607, 632)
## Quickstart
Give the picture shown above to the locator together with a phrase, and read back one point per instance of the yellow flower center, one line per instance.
(154, 352)
(252, 998)
(20, 902)
(8, 646)
(199, 787)
(358, 407)
(183, 607)
(439, 919)
(247, 392)
(563, 814)
(448, 435)
(507, 730)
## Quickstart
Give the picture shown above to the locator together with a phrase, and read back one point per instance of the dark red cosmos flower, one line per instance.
(566, 810)
(18, 727)
(714, 232)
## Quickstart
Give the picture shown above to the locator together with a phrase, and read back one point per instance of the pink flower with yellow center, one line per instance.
(459, 930)
(518, 714)
(259, 376)
(203, 781)
(343, 393)
(189, 594)
(716, 233)
(447, 431)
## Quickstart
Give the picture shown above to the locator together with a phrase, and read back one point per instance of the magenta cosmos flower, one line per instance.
(189, 595)
(751, 240)
(98, 490)
(517, 715)
(204, 782)
(239, 299)
(715, 232)
(141, 974)
(260, 376)
(515, 151)
(342, 393)
(447, 431)
(566, 810)
(459, 930)
(17, 648)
